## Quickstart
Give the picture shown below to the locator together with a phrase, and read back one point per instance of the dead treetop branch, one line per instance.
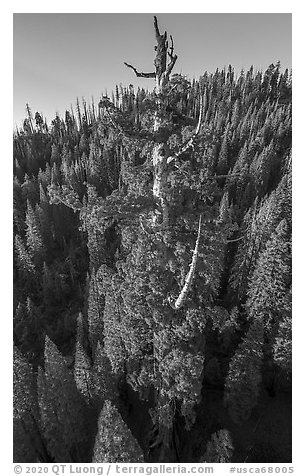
(163, 68)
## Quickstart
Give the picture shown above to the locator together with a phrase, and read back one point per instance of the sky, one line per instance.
(59, 57)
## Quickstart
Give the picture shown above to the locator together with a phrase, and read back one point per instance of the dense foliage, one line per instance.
(105, 368)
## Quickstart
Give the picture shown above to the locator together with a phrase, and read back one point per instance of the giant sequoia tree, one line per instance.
(151, 271)
(152, 268)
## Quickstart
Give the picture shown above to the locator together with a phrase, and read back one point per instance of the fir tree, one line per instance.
(61, 408)
(26, 413)
(243, 380)
(114, 442)
(219, 448)
(95, 312)
(33, 236)
(104, 382)
(267, 294)
(24, 260)
(282, 347)
(82, 371)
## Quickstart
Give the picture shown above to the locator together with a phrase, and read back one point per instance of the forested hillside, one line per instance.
(152, 272)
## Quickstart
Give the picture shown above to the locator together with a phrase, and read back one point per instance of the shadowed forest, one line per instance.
(152, 272)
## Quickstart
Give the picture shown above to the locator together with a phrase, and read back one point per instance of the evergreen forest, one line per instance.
(152, 272)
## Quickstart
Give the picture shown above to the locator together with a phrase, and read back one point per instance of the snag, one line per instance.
(162, 156)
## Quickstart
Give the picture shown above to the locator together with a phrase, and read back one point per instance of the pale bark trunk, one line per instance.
(190, 276)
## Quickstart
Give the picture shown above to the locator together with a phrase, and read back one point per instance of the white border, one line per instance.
(157, 6)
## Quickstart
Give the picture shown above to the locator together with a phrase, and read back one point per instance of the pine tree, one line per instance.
(55, 155)
(82, 371)
(112, 325)
(18, 209)
(224, 209)
(30, 191)
(222, 165)
(219, 448)
(42, 212)
(244, 377)
(267, 293)
(114, 442)
(44, 179)
(282, 347)
(23, 449)
(243, 260)
(26, 413)
(104, 382)
(61, 408)
(58, 448)
(27, 329)
(48, 286)
(33, 236)
(95, 312)
(24, 260)
(261, 167)
(25, 399)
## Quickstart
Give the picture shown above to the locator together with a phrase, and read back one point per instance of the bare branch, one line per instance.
(236, 239)
(190, 276)
(227, 175)
(173, 58)
(161, 52)
(140, 74)
(115, 124)
(156, 28)
(171, 52)
(145, 229)
(171, 65)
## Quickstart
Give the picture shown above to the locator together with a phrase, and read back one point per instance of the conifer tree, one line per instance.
(51, 429)
(23, 449)
(95, 312)
(244, 377)
(268, 286)
(61, 408)
(219, 448)
(25, 399)
(222, 165)
(42, 211)
(27, 329)
(24, 261)
(282, 347)
(104, 382)
(243, 260)
(30, 190)
(114, 442)
(48, 286)
(18, 211)
(112, 325)
(26, 413)
(33, 236)
(82, 371)
(224, 209)
(55, 155)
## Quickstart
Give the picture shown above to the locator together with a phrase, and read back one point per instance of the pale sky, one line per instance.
(59, 57)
